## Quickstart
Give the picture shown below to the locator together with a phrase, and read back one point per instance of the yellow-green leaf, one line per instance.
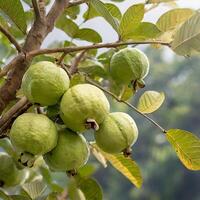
(150, 101)
(187, 38)
(124, 165)
(187, 147)
(131, 19)
(173, 18)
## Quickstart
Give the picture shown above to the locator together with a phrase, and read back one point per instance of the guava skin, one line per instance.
(82, 102)
(44, 83)
(33, 133)
(9, 174)
(71, 152)
(117, 133)
(129, 65)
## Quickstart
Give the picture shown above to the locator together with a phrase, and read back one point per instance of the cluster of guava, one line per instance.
(82, 107)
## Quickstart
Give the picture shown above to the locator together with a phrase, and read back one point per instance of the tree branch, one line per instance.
(74, 67)
(36, 8)
(10, 38)
(127, 103)
(35, 37)
(7, 119)
(12, 64)
(95, 46)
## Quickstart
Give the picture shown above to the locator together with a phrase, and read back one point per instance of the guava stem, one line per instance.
(71, 173)
(91, 124)
(127, 152)
(125, 102)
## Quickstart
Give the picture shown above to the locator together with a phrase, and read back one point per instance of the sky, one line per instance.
(107, 33)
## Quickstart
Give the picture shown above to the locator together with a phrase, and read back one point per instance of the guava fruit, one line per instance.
(33, 134)
(83, 106)
(117, 133)
(129, 66)
(71, 152)
(44, 83)
(9, 174)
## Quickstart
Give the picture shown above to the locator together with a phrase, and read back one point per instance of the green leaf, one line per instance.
(90, 188)
(187, 147)
(145, 30)
(150, 101)
(67, 25)
(88, 35)
(92, 68)
(173, 18)
(126, 93)
(187, 38)
(19, 197)
(14, 10)
(131, 19)
(34, 189)
(124, 165)
(103, 11)
(86, 170)
(114, 10)
(73, 11)
(92, 12)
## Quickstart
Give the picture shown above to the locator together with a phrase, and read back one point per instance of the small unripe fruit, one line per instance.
(9, 174)
(128, 66)
(44, 83)
(71, 152)
(33, 133)
(82, 105)
(117, 133)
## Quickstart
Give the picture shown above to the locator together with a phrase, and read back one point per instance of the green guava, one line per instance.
(71, 152)
(44, 83)
(82, 105)
(33, 134)
(129, 66)
(9, 174)
(117, 133)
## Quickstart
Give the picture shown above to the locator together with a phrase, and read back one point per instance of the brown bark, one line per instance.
(40, 29)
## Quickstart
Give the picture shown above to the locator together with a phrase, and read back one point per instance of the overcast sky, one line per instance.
(107, 32)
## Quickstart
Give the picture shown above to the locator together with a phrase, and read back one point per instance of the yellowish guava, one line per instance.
(9, 174)
(117, 133)
(71, 152)
(82, 104)
(33, 133)
(44, 83)
(129, 65)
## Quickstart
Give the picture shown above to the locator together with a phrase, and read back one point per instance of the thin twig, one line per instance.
(127, 103)
(10, 38)
(74, 67)
(60, 60)
(95, 46)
